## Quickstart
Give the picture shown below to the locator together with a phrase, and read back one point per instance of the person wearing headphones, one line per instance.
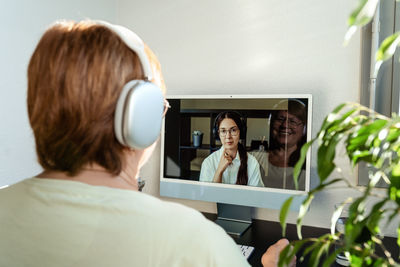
(288, 134)
(96, 103)
(231, 164)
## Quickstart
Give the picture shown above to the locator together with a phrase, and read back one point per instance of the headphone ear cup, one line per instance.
(138, 114)
(215, 128)
(215, 133)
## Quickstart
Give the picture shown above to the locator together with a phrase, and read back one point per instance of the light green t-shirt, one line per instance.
(47, 222)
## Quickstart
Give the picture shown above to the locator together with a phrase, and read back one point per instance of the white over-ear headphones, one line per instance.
(140, 106)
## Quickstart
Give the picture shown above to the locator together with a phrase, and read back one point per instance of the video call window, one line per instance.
(254, 142)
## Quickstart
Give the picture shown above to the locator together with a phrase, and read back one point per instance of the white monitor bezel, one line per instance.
(235, 194)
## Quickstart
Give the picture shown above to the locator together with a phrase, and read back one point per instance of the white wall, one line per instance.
(254, 47)
(22, 23)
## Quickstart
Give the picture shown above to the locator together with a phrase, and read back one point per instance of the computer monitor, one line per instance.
(201, 131)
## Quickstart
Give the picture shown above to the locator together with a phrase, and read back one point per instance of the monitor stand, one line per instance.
(234, 219)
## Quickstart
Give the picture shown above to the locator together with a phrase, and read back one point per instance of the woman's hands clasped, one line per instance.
(225, 160)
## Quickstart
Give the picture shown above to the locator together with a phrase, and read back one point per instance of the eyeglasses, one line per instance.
(166, 107)
(290, 122)
(233, 131)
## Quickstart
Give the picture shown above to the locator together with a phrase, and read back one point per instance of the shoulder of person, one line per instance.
(251, 157)
(174, 213)
(204, 243)
(214, 156)
(174, 208)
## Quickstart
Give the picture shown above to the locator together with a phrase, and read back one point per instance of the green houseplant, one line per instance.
(367, 137)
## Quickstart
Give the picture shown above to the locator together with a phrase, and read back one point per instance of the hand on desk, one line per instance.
(271, 256)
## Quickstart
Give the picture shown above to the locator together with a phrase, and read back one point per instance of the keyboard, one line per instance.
(246, 250)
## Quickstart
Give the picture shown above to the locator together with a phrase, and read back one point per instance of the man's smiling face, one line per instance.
(287, 129)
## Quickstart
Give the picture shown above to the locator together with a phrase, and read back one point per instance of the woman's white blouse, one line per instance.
(210, 165)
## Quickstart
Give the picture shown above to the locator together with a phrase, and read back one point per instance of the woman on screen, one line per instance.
(231, 164)
(288, 134)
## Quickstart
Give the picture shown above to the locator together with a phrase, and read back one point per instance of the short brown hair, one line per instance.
(75, 76)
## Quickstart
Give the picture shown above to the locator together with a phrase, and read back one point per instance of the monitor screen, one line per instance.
(235, 149)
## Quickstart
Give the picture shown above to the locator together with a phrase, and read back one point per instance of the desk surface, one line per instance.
(262, 234)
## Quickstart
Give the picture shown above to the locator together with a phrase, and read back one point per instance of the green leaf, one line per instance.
(312, 247)
(286, 255)
(291, 251)
(335, 216)
(375, 177)
(338, 108)
(394, 188)
(364, 236)
(325, 160)
(316, 254)
(375, 216)
(388, 47)
(396, 170)
(373, 128)
(360, 16)
(391, 217)
(356, 233)
(329, 261)
(358, 156)
(283, 214)
(303, 210)
(356, 260)
(356, 230)
(331, 118)
(363, 13)
(356, 142)
(386, 50)
(283, 257)
(298, 167)
(359, 143)
(331, 133)
(393, 135)
(398, 236)
(341, 123)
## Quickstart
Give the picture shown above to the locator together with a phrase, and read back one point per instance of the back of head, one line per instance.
(75, 76)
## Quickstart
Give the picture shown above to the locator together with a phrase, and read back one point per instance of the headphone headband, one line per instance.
(133, 41)
(242, 127)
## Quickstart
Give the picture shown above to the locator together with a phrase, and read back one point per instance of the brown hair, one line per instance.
(75, 76)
